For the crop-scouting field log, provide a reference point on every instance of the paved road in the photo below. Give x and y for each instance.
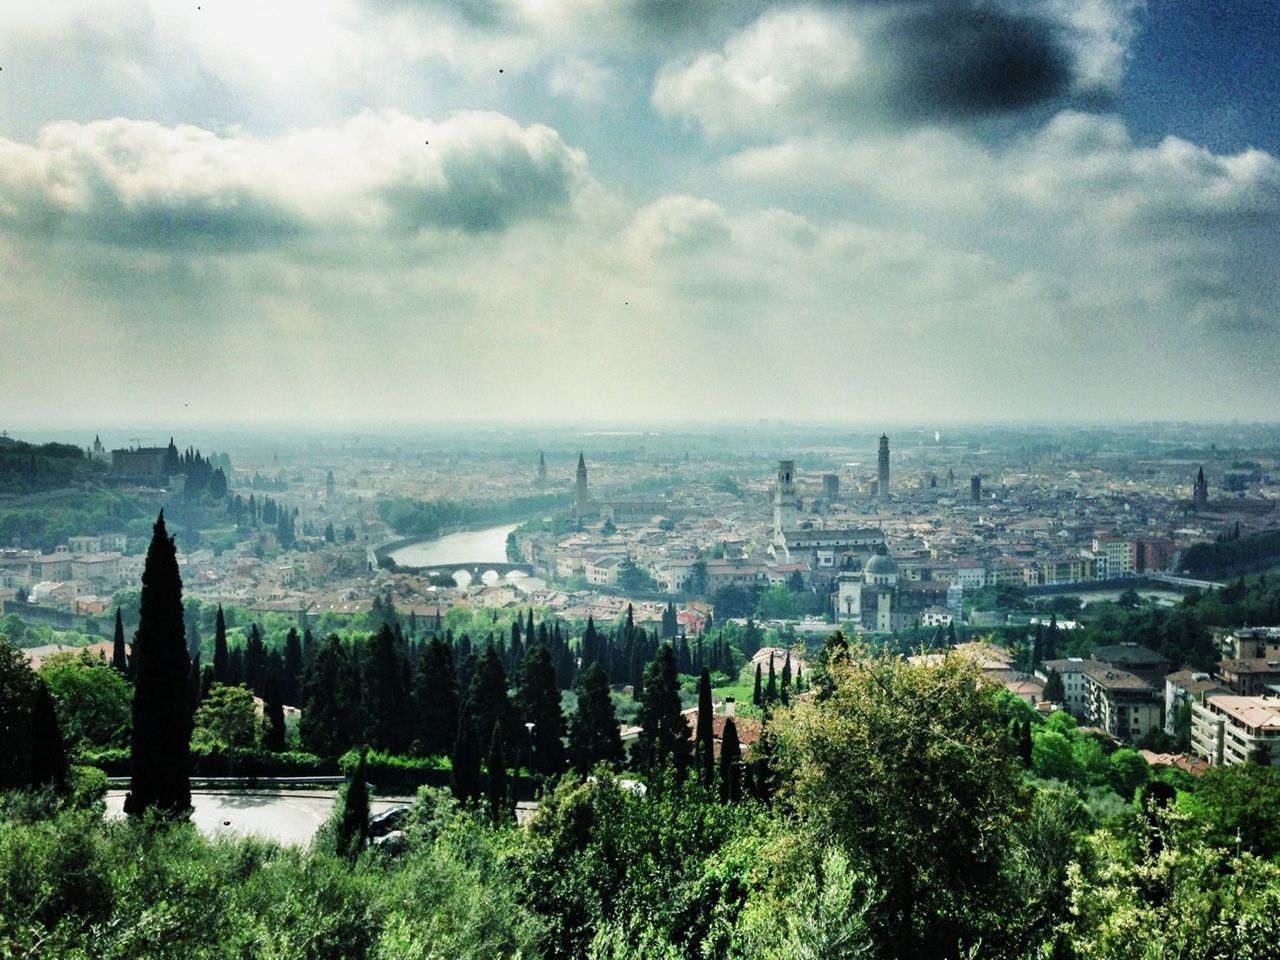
(288, 816)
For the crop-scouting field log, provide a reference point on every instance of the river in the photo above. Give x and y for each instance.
(468, 546)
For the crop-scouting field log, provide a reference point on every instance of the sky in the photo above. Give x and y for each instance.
(335, 212)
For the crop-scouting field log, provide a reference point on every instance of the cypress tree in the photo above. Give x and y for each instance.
(435, 698)
(294, 669)
(464, 778)
(48, 755)
(192, 622)
(593, 733)
(538, 702)
(330, 725)
(1054, 689)
(1024, 743)
(489, 703)
(385, 699)
(221, 658)
(273, 711)
(161, 754)
(255, 662)
(353, 820)
(664, 732)
(786, 671)
(757, 695)
(706, 731)
(771, 691)
(730, 763)
(119, 659)
(496, 763)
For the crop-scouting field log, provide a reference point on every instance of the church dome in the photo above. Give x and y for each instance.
(881, 565)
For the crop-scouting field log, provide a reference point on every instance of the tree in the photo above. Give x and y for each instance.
(273, 711)
(294, 669)
(496, 765)
(330, 722)
(932, 824)
(705, 737)
(593, 733)
(119, 657)
(771, 690)
(161, 754)
(435, 698)
(730, 763)
(664, 732)
(757, 694)
(487, 695)
(538, 702)
(353, 813)
(632, 577)
(1240, 798)
(385, 701)
(48, 755)
(226, 718)
(1054, 689)
(221, 658)
(94, 701)
(776, 603)
(464, 776)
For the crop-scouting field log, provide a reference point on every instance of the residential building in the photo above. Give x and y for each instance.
(1231, 729)
(1187, 686)
(1122, 704)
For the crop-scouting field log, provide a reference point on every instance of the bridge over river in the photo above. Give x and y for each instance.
(475, 568)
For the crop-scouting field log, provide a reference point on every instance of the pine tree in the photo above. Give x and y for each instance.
(538, 702)
(593, 732)
(221, 658)
(435, 698)
(757, 695)
(730, 763)
(496, 764)
(161, 754)
(119, 659)
(706, 744)
(353, 817)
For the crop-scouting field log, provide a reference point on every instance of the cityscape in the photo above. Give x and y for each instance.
(588, 481)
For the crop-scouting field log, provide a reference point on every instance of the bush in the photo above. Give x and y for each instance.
(388, 771)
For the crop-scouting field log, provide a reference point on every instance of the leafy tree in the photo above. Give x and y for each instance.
(664, 732)
(1052, 757)
(161, 735)
(1127, 771)
(632, 577)
(776, 603)
(226, 717)
(933, 822)
(94, 701)
(538, 702)
(1240, 798)
(435, 700)
(593, 732)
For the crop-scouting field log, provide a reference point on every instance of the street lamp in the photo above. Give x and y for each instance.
(529, 726)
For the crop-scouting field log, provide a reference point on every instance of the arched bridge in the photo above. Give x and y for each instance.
(476, 568)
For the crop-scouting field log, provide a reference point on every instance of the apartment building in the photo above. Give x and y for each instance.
(1231, 729)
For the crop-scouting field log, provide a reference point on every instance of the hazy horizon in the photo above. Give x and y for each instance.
(336, 214)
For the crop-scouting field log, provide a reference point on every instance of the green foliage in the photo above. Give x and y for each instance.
(776, 603)
(1239, 797)
(414, 518)
(226, 718)
(93, 701)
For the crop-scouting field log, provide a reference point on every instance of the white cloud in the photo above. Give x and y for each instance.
(137, 182)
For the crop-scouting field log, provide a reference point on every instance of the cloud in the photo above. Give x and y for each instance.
(871, 66)
(140, 183)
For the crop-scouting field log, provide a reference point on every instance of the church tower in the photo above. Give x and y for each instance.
(882, 484)
(581, 499)
(785, 504)
(542, 469)
(1200, 492)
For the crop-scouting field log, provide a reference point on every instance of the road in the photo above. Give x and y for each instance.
(287, 816)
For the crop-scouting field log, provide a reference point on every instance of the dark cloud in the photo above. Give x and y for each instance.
(954, 61)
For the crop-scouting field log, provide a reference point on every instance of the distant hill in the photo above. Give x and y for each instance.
(36, 468)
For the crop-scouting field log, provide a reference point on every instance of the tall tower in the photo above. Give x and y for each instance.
(882, 484)
(581, 499)
(542, 468)
(975, 488)
(784, 501)
(1200, 492)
